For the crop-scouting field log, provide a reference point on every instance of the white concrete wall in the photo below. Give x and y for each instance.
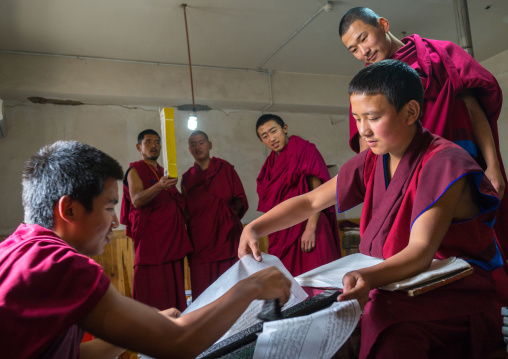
(498, 66)
(121, 99)
(114, 130)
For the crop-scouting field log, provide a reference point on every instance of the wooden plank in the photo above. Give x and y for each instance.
(186, 272)
(438, 282)
(118, 262)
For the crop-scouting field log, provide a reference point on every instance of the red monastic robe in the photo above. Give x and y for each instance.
(282, 177)
(464, 311)
(46, 288)
(213, 225)
(160, 242)
(446, 71)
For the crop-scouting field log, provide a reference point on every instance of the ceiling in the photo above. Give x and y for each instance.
(232, 33)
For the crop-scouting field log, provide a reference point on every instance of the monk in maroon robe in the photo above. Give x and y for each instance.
(51, 291)
(216, 202)
(295, 167)
(424, 198)
(152, 211)
(462, 100)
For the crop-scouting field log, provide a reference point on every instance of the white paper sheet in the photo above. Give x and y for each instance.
(319, 335)
(330, 275)
(246, 266)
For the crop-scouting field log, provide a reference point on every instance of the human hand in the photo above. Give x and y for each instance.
(171, 313)
(271, 283)
(496, 178)
(167, 182)
(308, 241)
(249, 244)
(355, 287)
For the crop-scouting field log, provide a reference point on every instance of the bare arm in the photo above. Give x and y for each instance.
(426, 235)
(141, 196)
(483, 136)
(308, 241)
(127, 323)
(285, 215)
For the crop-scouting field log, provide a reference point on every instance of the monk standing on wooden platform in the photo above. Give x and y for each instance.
(295, 167)
(152, 211)
(216, 202)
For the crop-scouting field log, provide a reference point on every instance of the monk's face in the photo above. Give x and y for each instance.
(199, 147)
(150, 147)
(368, 43)
(383, 128)
(273, 135)
(91, 231)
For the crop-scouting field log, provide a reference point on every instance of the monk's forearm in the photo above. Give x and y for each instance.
(312, 222)
(426, 236)
(481, 130)
(127, 323)
(407, 263)
(144, 197)
(206, 325)
(286, 214)
(295, 210)
(314, 182)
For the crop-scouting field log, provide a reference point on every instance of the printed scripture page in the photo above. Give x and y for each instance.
(319, 335)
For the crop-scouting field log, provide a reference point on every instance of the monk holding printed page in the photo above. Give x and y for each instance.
(51, 292)
(423, 197)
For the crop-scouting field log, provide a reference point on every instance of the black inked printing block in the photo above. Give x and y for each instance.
(271, 311)
(242, 344)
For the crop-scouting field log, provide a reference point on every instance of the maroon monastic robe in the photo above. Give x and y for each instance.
(160, 242)
(46, 288)
(284, 176)
(446, 71)
(213, 225)
(464, 311)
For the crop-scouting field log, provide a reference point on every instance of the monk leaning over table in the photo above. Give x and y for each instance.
(295, 167)
(51, 292)
(215, 203)
(462, 100)
(424, 198)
